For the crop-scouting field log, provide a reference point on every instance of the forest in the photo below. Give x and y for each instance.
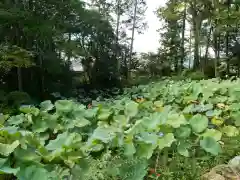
(79, 102)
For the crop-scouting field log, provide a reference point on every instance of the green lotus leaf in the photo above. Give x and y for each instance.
(176, 120)
(5, 167)
(236, 117)
(64, 106)
(7, 149)
(104, 134)
(27, 155)
(182, 148)
(16, 120)
(46, 106)
(183, 132)
(131, 109)
(81, 122)
(145, 150)
(104, 114)
(210, 145)
(29, 110)
(166, 141)
(199, 123)
(32, 173)
(62, 140)
(215, 134)
(129, 149)
(230, 131)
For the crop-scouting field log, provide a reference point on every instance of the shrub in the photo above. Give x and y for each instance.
(17, 98)
(194, 75)
(198, 75)
(12, 101)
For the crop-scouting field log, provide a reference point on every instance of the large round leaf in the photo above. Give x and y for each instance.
(131, 109)
(210, 145)
(183, 148)
(104, 134)
(129, 148)
(199, 123)
(145, 150)
(7, 149)
(215, 134)
(33, 173)
(166, 141)
(183, 132)
(46, 106)
(64, 106)
(176, 120)
(104, 114)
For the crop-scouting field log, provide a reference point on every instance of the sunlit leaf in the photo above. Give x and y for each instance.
(230, 131)
(217, 121)
(64, 139)
(7, 149)
(131, 109)
(176, 120)
(166, 141)
(46, 106)
(104, 134)
(30, 110)
(104, 114)
(64, 106)
(81, 122)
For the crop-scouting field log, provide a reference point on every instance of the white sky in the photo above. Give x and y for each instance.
(149, 41)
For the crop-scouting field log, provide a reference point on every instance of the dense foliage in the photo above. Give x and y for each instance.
(116, 138)
(200, 35)
(42, 42)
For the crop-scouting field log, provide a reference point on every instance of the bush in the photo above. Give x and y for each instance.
(16, 98)
(198, 75)
(194, 75)
(12, 101)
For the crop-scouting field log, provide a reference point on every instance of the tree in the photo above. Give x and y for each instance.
(137, 19)
(170, 33)
(55, 33)
(213, 24)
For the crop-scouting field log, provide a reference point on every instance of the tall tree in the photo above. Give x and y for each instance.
(54, 33)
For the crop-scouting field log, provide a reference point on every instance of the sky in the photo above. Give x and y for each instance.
(149, 40)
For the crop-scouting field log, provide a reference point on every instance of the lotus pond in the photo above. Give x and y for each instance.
(164, 130)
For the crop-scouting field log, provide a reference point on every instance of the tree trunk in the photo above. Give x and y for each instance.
(238, 59)
(183, 38)
(227, 43)
(216, 50)
(196, 27)
(207, 46)
(133, 32)
(190, 49)
(117, 34)
(69, 51)
(19, 73)
(125, 65)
